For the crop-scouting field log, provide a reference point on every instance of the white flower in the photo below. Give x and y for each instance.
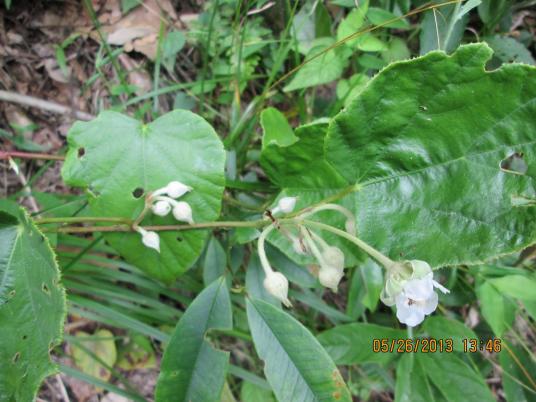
(183, 212)
(334, 257)
(161, 208)
(411, 288)
(277, 285)
(149, 239)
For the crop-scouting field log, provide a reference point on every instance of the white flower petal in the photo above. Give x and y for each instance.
(330, 277)
(428, 306)
(419, 289)
(161, 208)
(409, 315)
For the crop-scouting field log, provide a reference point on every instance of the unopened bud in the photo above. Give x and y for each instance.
(176, 189)
(287, 204)
(183, 212)
(150, 239)
(161, 208)
(330, 277)
(277, 285)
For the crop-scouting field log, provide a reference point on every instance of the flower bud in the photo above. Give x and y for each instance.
(151, 240)
(183, 212)
(330, 277)
(161, 208)
(277, 285)
(333, 257)
(176, 189)
(287, 204)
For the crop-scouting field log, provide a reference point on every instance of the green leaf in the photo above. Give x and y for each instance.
(323, 69)
(173, 43)
(276, 129)
(298, 161)
(32, 307)
(380, 16)
(352, 23)
(428, 181)
(517, 286)
(215, 261)
(142, 158)
(509, 50)
(295, 364)
(353, 343)
(88, 348)
(454, 378)
(442, 328)
(191, 369)
(412, 383)
(252, 393)
(517, 373)
(496, 309)
(439, 32)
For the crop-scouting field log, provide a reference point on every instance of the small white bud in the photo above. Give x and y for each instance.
(161, 208)
(330, 277)
(277, 285)
(176, 189)
(333, 257)
(151, 240)
(183, 212)
(287, 204)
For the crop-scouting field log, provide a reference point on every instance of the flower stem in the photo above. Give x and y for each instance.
(262, 252)
(382, 259)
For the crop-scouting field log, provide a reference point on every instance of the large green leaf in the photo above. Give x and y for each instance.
(443, 328)
(296, 365)
(518, 369)
(32, 307)
(456, 380)
(116, 158)
(191, 369)
(498, 311)
(425, 144)
(353, 343)
(412, 383)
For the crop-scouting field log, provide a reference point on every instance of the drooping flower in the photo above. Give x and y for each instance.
(161, 208)
(410, 286)
(149, 239)
(277, 285)
(331, 267)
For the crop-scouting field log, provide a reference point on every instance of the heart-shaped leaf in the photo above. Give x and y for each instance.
(119, 160)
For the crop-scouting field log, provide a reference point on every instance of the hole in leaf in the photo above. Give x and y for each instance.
(138, 192)
(16, 357)
(514, 164)
(45, 288)
(24, 337)
(81, 152)
(179, 238)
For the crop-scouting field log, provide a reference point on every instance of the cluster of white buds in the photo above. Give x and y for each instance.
(162, 202)
(410, 286)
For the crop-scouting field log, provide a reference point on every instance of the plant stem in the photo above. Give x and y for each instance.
(262, 252)
(82, 219)
(30, 155)
(156, 228)
(382, 259)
